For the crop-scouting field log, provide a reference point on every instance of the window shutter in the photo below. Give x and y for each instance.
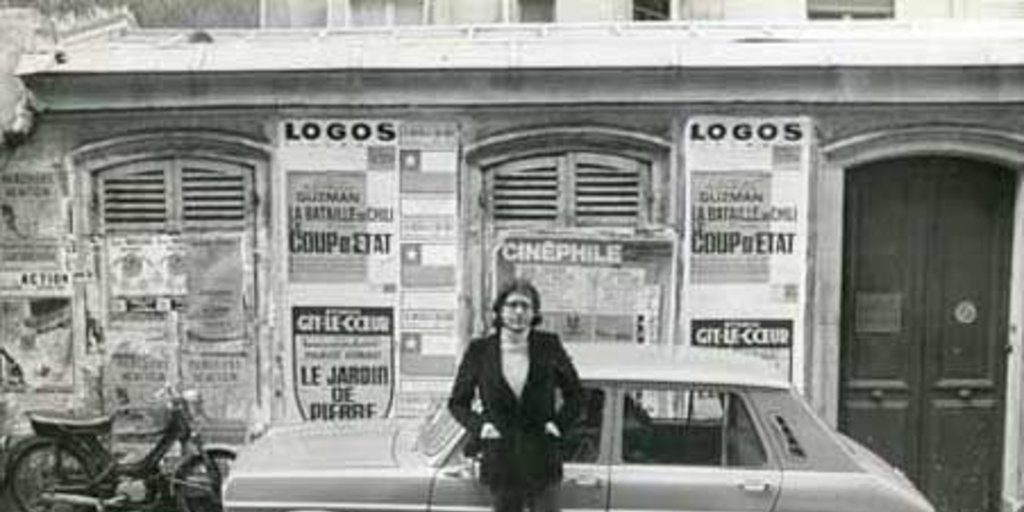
(526, 190)
(855, 9)
(213, 195)
(608, 189)
(136, 198)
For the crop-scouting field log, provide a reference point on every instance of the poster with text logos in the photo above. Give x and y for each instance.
(341, 200)
(372, 224)
(747, 236)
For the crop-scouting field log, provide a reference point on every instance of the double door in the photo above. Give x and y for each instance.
(924, 330)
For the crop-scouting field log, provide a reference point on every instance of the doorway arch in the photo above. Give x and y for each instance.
(985, 146)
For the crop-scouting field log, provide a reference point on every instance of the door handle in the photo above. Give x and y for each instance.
(585, 481)
(753, 486)
(466, 470)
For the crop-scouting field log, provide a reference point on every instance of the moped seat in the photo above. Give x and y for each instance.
(43, 422)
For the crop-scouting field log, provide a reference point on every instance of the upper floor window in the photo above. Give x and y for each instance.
(850, 9)
(334, 13)
(536, 11)
(652, 10)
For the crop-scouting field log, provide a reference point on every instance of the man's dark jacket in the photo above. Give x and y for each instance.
(526, 456)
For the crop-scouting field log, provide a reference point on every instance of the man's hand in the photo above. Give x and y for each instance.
(489, 431)
(552, 429)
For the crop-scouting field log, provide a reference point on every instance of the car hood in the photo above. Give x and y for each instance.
(329, 447)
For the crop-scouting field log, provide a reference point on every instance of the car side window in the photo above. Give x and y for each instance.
(583, 443)
(689, 426)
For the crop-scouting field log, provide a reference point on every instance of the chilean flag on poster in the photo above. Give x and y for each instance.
(429, 265)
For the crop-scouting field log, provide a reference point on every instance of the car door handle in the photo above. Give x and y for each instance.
(753, 486)
(585, 481)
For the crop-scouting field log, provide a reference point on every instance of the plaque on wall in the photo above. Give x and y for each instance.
(878, 313)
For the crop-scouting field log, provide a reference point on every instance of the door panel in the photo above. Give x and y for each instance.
(926, 274)
(691, 489)
(683, 448)
(584, 489)
(880, 398)
(585, 482)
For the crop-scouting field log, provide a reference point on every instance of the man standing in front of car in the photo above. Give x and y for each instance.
(518, 373)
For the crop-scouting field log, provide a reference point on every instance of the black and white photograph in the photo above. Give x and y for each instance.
(511, 255)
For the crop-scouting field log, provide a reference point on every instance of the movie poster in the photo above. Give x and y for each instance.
(215, 274)
(141, 352)
(34, 269)
(31, 206)
(748, 183)
(340, 229)
(428, 165)
(35, 345)
(594, 290)
(343, 362)
(341, 201)
(147, 266)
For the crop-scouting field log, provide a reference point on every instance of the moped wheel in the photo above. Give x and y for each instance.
(39, 466)
(197, 488)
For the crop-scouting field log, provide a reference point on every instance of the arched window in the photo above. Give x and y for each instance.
(584, 213)
(172, 226)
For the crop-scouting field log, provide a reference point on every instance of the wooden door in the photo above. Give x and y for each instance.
(925, 284)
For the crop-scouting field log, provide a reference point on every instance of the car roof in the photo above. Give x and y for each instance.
(630, 363)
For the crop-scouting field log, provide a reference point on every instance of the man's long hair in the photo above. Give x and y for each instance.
(524, 287)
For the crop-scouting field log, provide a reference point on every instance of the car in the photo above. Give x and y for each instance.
(695, 432)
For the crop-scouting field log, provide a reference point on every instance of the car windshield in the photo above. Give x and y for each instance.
(437, 430)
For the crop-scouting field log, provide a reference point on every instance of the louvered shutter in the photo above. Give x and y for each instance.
(576, 188)
(855, 9)
(169, 195)
(608, 189)
(136, 197)
(213, 195)
(526, 190)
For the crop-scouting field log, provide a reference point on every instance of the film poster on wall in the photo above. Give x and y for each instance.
(373, 226)
(177, 314)
(218, 354)
(341, 203)
(428, 283)
(36, 352)
(748, 182)
(343, 362)
(594, 290)
(35, 344)
(31, 206)
(341, 199)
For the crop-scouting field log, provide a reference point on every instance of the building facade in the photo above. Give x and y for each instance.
(308, 224)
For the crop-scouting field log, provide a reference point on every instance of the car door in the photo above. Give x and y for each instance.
(689, 448)
(586, 450)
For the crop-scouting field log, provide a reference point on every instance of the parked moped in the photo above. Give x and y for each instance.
(67, 466)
